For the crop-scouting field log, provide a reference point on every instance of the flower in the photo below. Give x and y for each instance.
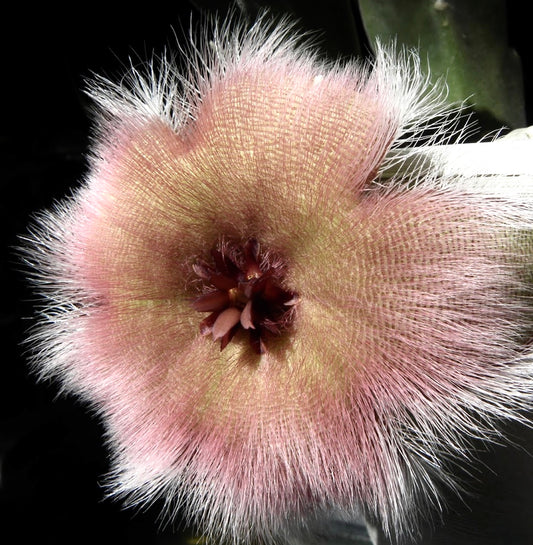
(270, 328)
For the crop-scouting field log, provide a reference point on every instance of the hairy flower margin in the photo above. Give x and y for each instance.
(247, 185)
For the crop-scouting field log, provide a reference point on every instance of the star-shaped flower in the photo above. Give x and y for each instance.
(269, 328)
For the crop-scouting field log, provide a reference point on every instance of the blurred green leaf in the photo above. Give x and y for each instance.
(466, 42)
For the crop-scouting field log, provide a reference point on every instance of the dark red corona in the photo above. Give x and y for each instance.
(244, 289)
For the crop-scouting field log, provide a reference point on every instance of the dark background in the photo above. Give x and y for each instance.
(51, 454)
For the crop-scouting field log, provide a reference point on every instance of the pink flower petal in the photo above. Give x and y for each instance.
(246, 316)
(225, 321)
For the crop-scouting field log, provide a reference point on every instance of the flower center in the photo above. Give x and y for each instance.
(243, 289)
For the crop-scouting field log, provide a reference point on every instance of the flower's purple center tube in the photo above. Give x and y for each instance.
(243, 288)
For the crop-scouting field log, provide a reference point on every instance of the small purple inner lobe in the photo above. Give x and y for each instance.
(243, 289)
